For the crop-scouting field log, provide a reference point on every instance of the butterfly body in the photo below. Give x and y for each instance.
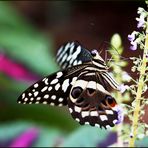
(82, 84)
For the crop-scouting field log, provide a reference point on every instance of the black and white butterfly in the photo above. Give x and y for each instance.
(83, 85)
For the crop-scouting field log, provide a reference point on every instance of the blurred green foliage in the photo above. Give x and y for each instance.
(23, 42)
(85, 136)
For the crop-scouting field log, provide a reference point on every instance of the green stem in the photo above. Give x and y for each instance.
(119, 127)
(139, 94)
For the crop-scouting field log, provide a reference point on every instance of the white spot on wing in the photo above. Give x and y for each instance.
(59, 50)
(60, 104)
(36, 85)
(59, 74)
(44, 79)
(52, 104)
(77, 109)
(63, 59)
(46, 82)
(38, 98)
(31, 99)
(109, 112)
(77, 52)
(36, 93)
(73, 80)
(64, 51)
(69, 57)
(91, 84)
(65, 85)
(75, 62)
(81, 83)
(57, 86)
(54, 81)
(108, 127)
(84, 113)
(103, 117)
(102, 89)
(60, 99)
(79, 62)
(44, 89)
(115, 121)
(26, 99)
(86, 123)
(53, 97)
(50, 88)
(23, 95)
(71, 50)
(70, 110)
(30, 94)
(97, 125)
(46, 96)
(64, 66)
(94, 113)
(45, 102)
(77, 119)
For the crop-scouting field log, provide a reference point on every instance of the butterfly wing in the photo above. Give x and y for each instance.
(53, 89)
(90, 103)
(71, 54)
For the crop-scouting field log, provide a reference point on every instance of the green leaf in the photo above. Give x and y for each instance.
(10, 89)
(86, 136)
(117, 43)
(24, 43)
(41, 114)
(14, 20)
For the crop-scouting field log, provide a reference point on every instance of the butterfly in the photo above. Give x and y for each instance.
(83, 84)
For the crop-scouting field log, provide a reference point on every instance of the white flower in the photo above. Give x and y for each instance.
(123, 88)
(126, 77)
(140, 10)
(133, 40)
(119, 111)
(132, 36)
(141, 21)
(134, 45)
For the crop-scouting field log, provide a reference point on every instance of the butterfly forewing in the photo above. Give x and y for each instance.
(53, 89)
(71, 54)
(90, 103)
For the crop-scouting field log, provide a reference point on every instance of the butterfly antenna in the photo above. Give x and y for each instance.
(100, 47)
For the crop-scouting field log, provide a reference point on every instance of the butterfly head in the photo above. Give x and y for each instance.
(96, 55)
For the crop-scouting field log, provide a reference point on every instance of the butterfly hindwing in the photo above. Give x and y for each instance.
(71, 54)
(90, 103)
